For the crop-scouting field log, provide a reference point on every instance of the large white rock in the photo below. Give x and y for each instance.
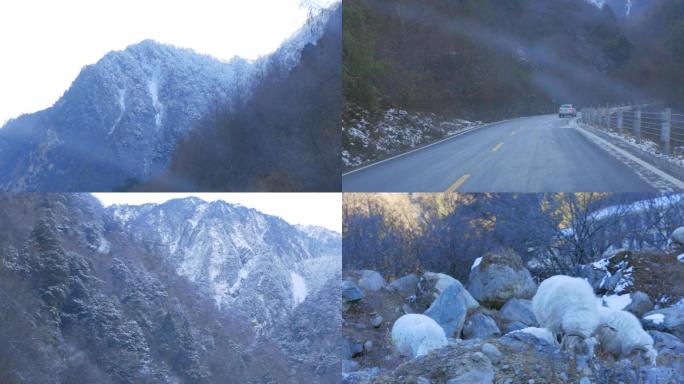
(677, 236)
(416, 335)
(371, 280)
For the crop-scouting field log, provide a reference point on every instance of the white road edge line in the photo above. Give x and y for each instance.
(430, 145)
(669, 178)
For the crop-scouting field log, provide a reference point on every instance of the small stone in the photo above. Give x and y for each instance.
(491, 352)
(530, 381)
(368, 346)
(376, 320)
(585, 380)
(514, 326)
(350, 292)
(371, 281)
(356, 349)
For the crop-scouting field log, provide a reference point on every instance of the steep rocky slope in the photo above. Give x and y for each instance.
(245, 260)
(88, 298)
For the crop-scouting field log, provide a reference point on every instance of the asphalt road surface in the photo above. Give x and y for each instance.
(530, 154)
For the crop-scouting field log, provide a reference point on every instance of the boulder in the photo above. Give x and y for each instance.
(499, 277)
(518, 310)
(362, 376)
(483, 373)
(514, 326)
(540, 338)
(350, 292)
(492, 352)
(405, 286)
(594, 276)
(542, 334)
(480, 326)
(664, 341)
(371, 281)
(429, 287)
(670, 320)
(677, 237)
(450, 308)
(640, 304)
(416, 335)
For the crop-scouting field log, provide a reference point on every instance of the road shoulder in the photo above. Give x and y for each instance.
(659, 173)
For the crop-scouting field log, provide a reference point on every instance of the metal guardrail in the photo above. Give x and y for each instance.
(641, 122)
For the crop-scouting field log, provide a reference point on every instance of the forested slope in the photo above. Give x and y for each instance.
(487, 60)
(281, 138)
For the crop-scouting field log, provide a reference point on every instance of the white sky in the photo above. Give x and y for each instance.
(45, 43)
(322, 209)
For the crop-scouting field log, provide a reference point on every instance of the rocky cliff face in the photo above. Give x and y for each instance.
(93, 295)
(241, 258)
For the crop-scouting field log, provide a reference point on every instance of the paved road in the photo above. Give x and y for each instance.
(531, 154)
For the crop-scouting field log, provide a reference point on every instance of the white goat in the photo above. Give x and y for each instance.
(416, 335)
(623, 337)
(567, 307)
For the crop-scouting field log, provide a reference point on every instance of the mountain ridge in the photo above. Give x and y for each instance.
(109, 303)
(122, 117)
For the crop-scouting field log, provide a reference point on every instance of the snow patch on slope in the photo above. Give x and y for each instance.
(298, 288)
(615, 302)
(122, 105)
(242, 274)
(153, 88)
(656, 318)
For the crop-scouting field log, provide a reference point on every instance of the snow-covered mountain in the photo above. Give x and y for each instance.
(122, 117)
(245, 260)
(181, 292)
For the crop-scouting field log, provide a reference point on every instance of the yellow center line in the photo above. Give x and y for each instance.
(497, 147)
(457, 184)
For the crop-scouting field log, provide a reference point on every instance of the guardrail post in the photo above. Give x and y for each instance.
(637, 124)
(605, 118)
(619, 121)
(597, 118)
(665, 126)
